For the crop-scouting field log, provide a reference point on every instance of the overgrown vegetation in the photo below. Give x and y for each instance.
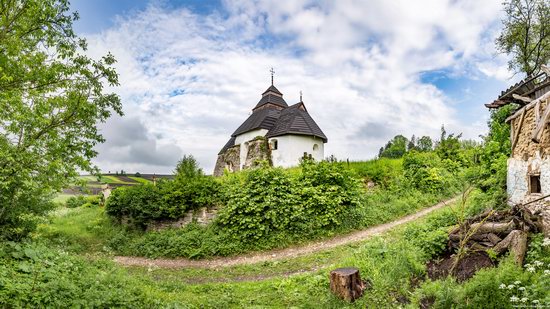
(146, 203)
(51, 99)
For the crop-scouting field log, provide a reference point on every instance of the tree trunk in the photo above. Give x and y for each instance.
(516, 242)
(346, 283)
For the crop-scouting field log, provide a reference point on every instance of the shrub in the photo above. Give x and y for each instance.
(426, 171)
(81, 200)
(270, 200)
(167, 200)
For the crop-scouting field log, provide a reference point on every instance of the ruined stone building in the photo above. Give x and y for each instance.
(275, 132)
(528, 176)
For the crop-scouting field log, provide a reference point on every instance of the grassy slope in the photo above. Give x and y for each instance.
(389, 262)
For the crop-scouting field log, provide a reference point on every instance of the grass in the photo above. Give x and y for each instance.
(139, 179)
(62, 198)
(79, 230)
(112, 180)
(393, 263)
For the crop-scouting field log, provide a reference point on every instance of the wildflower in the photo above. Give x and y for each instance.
(531, 269)
(518, 282)
(502, 286)
(546, 242)
(511, 286)
(522, 288)
(538, 263)
(524, 299)
(546, 272)
(514, 299)
(536, 301)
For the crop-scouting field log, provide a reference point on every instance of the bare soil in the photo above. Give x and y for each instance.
(465, 269)
(279, 254)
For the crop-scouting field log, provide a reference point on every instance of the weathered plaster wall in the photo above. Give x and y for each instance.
(520, 170)
(230, 159)
(528, 157)
(525, 147)
(291, 149)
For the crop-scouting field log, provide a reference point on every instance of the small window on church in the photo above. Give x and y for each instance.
(534, 184)
(315, 147)
(274, 144)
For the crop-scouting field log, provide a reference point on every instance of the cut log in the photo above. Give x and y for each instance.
(518, 247)
(516, 242)
(493, 227)
(346, 283)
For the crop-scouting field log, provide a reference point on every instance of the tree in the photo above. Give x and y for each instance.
(51, 99)
(526, 34)
(188, 168)
(412, 145)
(395, 148)
(449, 146)
(425, 143)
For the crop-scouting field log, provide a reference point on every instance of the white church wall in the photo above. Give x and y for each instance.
(245, 137)
(291, 148)
(519, 172)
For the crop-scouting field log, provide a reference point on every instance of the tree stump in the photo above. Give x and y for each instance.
(346, 283)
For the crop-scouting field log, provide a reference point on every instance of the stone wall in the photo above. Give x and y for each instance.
(230, 159)
(258, 150)
(203, 216)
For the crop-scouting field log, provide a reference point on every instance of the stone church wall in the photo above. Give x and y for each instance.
(230, 159)
(258, 150)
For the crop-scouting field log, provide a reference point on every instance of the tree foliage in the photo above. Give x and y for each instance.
(395, 148)
(526, 34)
(51, 98)
(188, 168)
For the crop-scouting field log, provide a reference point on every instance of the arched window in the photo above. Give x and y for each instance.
(315, 147)
(274, 144)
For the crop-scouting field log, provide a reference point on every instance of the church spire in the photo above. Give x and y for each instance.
(272, 73)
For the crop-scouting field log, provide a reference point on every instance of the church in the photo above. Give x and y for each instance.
(275, 132)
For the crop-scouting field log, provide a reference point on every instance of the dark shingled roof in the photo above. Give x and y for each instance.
(280, 119)
(272, 89)
(260, 119)
(296, 120)
(228, 145)
(273, 99)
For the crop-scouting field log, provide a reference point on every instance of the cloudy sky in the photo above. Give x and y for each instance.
(191, 71)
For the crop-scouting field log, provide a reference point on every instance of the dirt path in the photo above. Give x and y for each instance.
(280, 254)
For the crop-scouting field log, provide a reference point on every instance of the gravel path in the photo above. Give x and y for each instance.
(279, 254)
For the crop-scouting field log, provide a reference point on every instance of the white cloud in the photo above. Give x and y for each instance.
(191, 79)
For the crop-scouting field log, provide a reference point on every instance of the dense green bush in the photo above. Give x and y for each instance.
(426, 171)
(383, 171)
(269, 200)
(81, 200)
(145, 203)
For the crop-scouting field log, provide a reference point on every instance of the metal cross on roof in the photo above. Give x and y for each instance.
(272, 72)
(300, 95)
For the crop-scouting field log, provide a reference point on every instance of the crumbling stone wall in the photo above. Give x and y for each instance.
(203, 216)
(258, 150)
(230, 159)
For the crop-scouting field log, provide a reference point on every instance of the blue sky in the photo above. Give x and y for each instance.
(191, 71)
